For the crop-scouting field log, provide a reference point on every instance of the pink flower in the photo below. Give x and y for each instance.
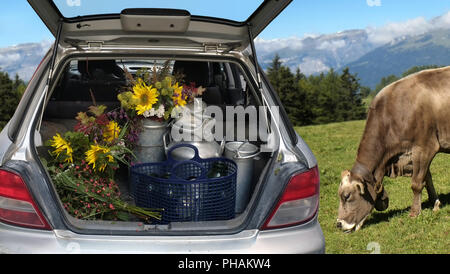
(111, 206)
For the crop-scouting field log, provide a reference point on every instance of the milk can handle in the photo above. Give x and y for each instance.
(194, 148)
(237, 155)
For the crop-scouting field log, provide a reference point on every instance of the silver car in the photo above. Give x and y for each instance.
(91, 53)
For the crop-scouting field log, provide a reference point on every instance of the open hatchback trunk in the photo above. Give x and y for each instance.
(81, 23)
(112, 72)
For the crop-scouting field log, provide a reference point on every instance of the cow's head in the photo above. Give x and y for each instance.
(358, 197)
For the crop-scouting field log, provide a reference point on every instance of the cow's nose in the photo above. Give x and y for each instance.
(339, 224)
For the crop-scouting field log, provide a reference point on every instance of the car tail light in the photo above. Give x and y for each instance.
(299, 202)
(17, 207)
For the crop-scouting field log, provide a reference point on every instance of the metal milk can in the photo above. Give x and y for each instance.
(243, 153)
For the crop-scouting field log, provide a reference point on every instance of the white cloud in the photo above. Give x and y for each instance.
(311, 35)
(27, 72)
(442, 21)
(373, 3)
(9, 58)
(45, 45)
(23, 58)
(417, 26)
(292, 42)
(332, 45)
(73, 3)
(312, 65)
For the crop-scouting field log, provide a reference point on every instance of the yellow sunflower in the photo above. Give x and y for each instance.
(111, 132)
(99, 155)
(178, 96)
(62, 145)
(145, 96)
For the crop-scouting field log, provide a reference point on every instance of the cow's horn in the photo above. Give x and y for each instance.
(361, 187)
(379, 188)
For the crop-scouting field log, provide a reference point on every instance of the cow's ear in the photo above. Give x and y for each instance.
(345, 173)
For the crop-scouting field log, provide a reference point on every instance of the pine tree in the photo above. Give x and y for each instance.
(353, 107)
(8, 98)
(291, 95)
(317, 99)
(385, 81)
(19, 85)
(298, 75)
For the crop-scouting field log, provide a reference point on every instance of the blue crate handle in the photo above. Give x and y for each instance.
(187, 162)
(196, 157)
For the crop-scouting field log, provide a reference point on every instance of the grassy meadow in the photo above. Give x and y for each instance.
(391, 231)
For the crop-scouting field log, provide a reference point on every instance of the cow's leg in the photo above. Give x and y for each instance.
(432, 196)
(417, 185)
(421, 162)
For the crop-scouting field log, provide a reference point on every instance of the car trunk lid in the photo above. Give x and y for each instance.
(113, 24)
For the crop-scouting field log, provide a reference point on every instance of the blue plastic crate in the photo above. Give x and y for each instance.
(183, 190)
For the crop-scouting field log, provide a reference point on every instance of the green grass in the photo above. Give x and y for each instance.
(335, 146)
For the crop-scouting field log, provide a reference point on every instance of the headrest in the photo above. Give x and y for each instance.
(103, 66)
(194, 71)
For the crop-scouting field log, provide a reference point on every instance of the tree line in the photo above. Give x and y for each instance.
(327, 97)
(11, 90)
(317, 99)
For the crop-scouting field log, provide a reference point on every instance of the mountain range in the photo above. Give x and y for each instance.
(23, 59)
(315, 54)
(432, 48)
(372, 53)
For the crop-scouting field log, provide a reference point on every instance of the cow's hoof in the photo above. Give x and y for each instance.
(437, 204)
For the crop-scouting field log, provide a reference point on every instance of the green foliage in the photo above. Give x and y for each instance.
(19, 86)
(324, 98)
(418, 68)
(79, 143)
(83, 163)
(88, 196)
(385, 81)
(10, 93)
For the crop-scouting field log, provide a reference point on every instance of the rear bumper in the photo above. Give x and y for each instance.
(307, 238)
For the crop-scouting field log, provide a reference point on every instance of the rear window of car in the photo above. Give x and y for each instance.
(88, 81)
(223, 9)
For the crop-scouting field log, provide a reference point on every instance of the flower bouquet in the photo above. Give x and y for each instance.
(153, 98)
(82, 166)
(84, 162)
(155, 95)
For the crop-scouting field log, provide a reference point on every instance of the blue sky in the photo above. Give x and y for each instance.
(19, 23)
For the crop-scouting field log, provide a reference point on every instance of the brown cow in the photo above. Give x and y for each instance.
(407, 125)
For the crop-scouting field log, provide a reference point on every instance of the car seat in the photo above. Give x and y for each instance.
(199, 72)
